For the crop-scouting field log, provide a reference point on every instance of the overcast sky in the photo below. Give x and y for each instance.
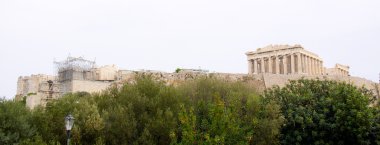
(166, 34)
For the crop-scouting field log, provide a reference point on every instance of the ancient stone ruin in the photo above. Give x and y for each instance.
(286, 59)
(268, 66)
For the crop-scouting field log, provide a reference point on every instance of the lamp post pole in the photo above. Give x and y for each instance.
(68, 137)
(69, 122)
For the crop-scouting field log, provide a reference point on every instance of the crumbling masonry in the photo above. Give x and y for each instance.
(268, 66)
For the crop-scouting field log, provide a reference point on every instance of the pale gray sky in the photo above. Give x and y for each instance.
(166, 34)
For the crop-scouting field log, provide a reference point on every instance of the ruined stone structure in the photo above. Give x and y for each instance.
(37, 89)
(78, 74)
(342, 70)
(286, 59)
(75, 74)
(268, 66)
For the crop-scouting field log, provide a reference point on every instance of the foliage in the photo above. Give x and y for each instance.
(203, 111)
(375, 129)
(177, 70)
(200, 111)
(324, 112)
(14, 122)
(221, 112)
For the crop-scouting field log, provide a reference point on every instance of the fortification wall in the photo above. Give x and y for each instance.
(174, 79)
(66, 87)
(30, 84)
(89, 86)
(281, 80)
(260, 81)
(42, 93)
(33, 101)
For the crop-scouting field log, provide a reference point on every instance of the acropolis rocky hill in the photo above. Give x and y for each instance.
(268, 66)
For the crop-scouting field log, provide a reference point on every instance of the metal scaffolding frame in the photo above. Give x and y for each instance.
(74, 63)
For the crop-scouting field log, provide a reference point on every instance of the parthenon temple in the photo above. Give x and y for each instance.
(284, 59)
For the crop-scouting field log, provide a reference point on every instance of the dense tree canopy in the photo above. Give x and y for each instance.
(15, 122)
(200, 111)
(324, 112)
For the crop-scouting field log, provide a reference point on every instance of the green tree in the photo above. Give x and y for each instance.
(375, 130)
(200, 111)
(221, 112)
(15, 125)
(324, 112)
(120, 127)
(177, 70)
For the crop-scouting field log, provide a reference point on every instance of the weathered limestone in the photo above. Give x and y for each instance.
(277, 70)
(250, 65)
(339, 70)
(37, 89)
(292, 60)
(77, 75)
(285, 64)
(292, 63)
(299, 63)
(272, 65)
(262, 65)
(271, 80)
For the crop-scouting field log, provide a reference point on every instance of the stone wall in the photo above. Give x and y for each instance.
(106, 73)
(36, 89)
(30, 84)
(66, 87)
(40, 87)
(35, 100)
(281, 80)
(175, 79)
(339, 69)
(89, 86)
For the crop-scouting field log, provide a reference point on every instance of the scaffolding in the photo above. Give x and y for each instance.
(73, 68)
(74, 63)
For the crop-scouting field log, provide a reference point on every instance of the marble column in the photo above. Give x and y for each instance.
(292, 64)
(308, 64)
(285, 62)
(322, 68)
(250, 65)
(277, 65)
(255, 66)
(319, 67)
(262, 65)
(299, 65)
(303, 70)
(312, 66)
(270, 64)
(316, 67)
(306, 68)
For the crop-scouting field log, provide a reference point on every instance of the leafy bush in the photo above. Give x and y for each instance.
(15, 122)
(324, 112)
(200, 111)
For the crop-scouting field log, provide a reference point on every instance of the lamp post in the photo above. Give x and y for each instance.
(69, 122)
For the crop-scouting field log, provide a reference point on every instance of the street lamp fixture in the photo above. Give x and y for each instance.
(69, 123)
